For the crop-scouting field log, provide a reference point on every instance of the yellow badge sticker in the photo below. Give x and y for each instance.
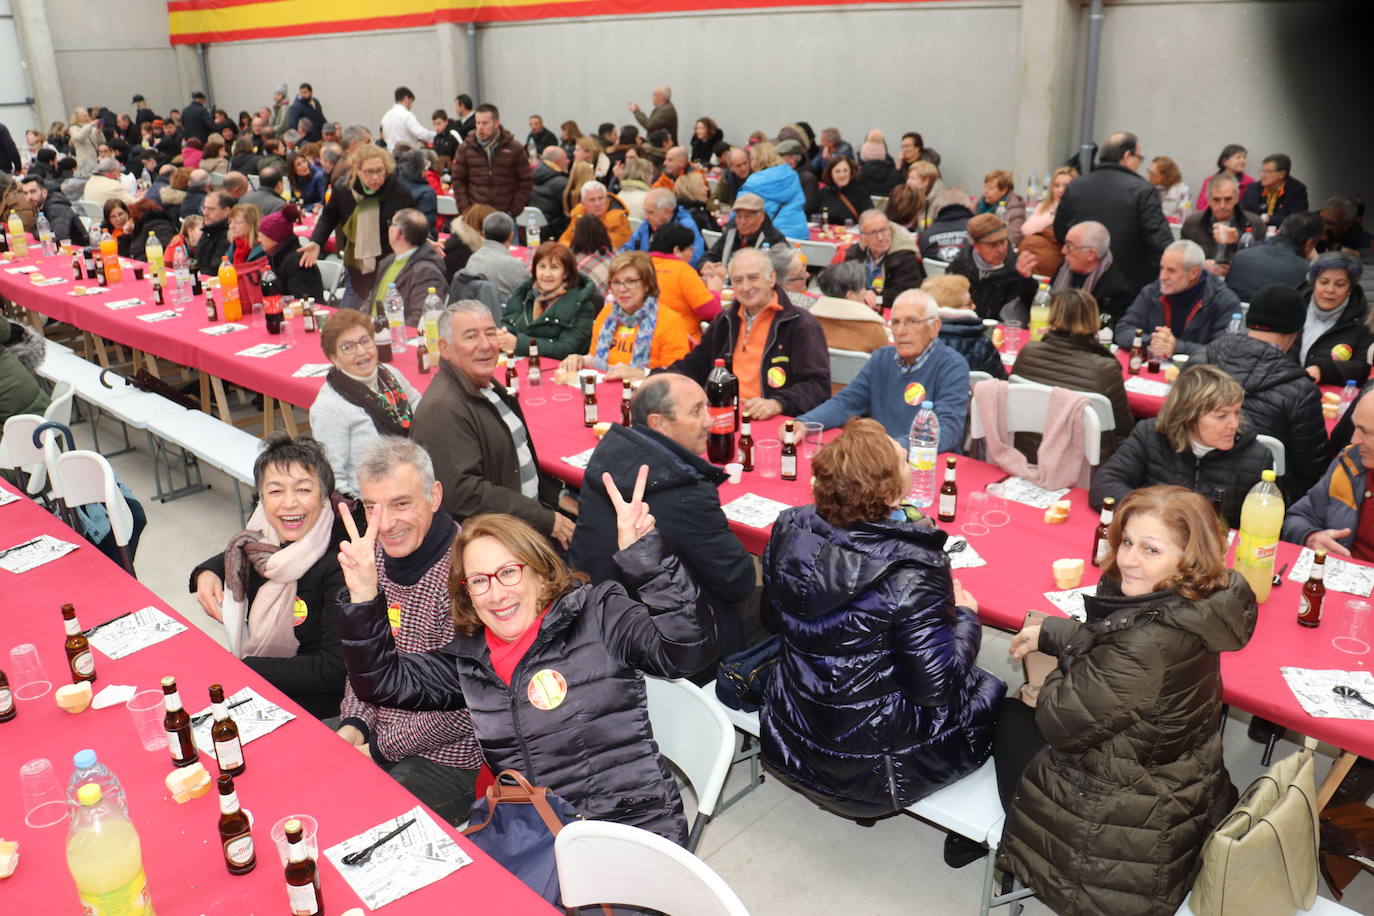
(547, 689)
(393, 617)
(915, 393)
(299, 612)
(1341, 352)
(777, 377)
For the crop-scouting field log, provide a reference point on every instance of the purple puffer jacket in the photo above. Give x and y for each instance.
(876, 701)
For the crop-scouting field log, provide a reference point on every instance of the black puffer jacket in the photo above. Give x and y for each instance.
(1282, 401)
(876, 701)
(1351, 329)
(963, 332)
(1111, 816)
(595, 748)
(1003, 294)
(1147, 458)
(160, 224)
(947, 236)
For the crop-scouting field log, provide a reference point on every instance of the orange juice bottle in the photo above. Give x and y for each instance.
(229, 290)
(109, 254)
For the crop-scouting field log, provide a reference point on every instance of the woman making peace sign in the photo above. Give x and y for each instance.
(550, 668)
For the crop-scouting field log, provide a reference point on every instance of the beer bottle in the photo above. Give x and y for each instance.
(225, 735)
(100, 276)
(589, 412)
(422, 359)
(1313, 593)
(626, 393)
(76, 265)
(177, 725)
(1138, 351)
(308, 320)
(746, 444)
(8, 708)
(533, 376)
(197, 285)
(79, 657)
(302, 876)
(158, 297)
(211, 310)
(235, 833)
(1102, 546)
(789, 452)
(381, 336)
(949, 493)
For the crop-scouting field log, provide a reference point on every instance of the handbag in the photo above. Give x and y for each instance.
(1262, 859)
(515, 823)
(742, 677)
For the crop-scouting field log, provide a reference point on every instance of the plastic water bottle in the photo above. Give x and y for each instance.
(45, 236)
(395, 317)
(531, 233)
(1348, 394)
(1261, 519)
(922, 449)
(1237, 325)
(181, 266)
(89, 769)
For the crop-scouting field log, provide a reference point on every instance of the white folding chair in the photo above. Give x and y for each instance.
(634, 223)
(845, 364)
(59, 411)
(18, 452)
(710, 237)
(818, 254)
(695, 736)
(253, 180)
(86, 222)
(86, 477)
(603, 862)
(1277, 450)
(216, 179)
(933, 267)
(446, 205)
(1106, 418)
(1027, 406)
(89, 209)
(331, 273)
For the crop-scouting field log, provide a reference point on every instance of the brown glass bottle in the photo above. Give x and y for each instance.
(422, 358)
(533, 375)
(788, 460)
(211, 309)
(225, 735)
(1313, 593)
(746, 444)
(309, 323)
(177, 724)
(589, 411)
(1137, 351)
(1101, 546)
(235, 832)
(949, 493)
(381, 337)
(8, 708)
(626, 393)
(302, 875)
(79, 657)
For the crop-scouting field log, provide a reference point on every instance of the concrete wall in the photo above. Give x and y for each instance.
(107, 53)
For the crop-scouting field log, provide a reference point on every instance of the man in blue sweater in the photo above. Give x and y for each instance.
(661, 207)
(896, 379)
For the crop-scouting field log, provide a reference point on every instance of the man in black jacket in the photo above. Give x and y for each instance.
(1283, 259)
(307, 107)
(668, 433)
(195, 118)
(888, 254)
(214, 232)
(1184, 310)
(1220, 229)
(1277, 195)
(750, 228)
(1088, 265)
(1281, 400)
(55, 206)
(1128, 205)
(999, 278)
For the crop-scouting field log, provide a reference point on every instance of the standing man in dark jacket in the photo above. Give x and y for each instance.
(777, 351)
(1000, 280)
(888, 255)
(195, 118)
(1184, 310)
(1282, 259)
(1277, 195)
(308, 107)
(1281, 400)
(491, 167)
(668, 433)
(947, 235)
(664, 115)
(55, 206)
(1128, 205)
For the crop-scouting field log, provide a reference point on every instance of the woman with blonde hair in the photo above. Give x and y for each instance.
(212, 157)
(777, 183)
(243, 234)
(692, 192)
(1199, 440)
(924, 176)
(1037, 232)
(578, 175)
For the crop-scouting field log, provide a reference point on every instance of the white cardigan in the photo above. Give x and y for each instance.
(344, 428)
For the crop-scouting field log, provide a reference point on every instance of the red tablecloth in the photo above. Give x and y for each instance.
(837, 235)
(301, 768)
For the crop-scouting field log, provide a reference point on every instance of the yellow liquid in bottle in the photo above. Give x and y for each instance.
(106, 863)
(1261, 520)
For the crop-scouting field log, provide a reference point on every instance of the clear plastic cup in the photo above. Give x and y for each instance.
(309, 829)
(811, 439)
(768, 457)
(27, 678)
(147, 711)
(734, 471)
(975, 507)
(996, 515)
(1354, 640)
(1013, 335)
(45, 804)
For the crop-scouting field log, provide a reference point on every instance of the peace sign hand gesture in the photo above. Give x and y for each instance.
(357, 556)
(632, 519)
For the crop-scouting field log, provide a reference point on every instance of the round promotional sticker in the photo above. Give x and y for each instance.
(777, 377)
(1341, 352)
(393, 617)
(547, 689)
(915, 393)
(298, 613)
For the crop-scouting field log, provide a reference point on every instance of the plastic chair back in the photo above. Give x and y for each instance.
(446, 205)
(845, 364)
(695, 736)
(933, 267)
(1102, 405)
(89, 209)
(86, 477)
(818, 254)
(602, 862)
(18, 451)
(540, 219)
(331, 273)
(1027, 407)
(1277, 450)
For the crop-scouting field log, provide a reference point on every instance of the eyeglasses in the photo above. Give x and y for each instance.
(373, 173)
(910, 322)
(736, 280)
(627, 284)
(877, 233)
(508, 575)
(348, 346)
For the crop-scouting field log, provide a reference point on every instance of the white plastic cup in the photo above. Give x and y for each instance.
(45, 804)
(1355, 639)
(309, 829)
(147, 710)
(735, 470)
(28, 679)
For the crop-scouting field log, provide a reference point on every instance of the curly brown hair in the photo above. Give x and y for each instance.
(1193, 526)
(529, 547)
(857, 477)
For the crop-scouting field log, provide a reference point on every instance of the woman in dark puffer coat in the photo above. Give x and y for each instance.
(876, 701)
(1198, 441)
(564, 705)
(1111, 815)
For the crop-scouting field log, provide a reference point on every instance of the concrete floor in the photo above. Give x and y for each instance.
(781, 854)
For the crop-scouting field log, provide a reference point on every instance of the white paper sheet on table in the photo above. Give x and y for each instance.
(6, 497)
(160, 316)
(28, 555)
(1341, 576)
(581, 459)
(255, 718)
(264, 350)
(24, 269)
(51, 281)
(229, 327)
(1312, 687)
(1148, 387)
(312, 370)
(88, 291)
(120, 304)
(1070, 601)
(754, 510)
(418, 856)
(1020, 490)
(144, 627)
(965, 557)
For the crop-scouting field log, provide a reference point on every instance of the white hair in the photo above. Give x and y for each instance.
(929, 307)
(467, 307)
(380, 458)
(1096, 236)
(659, 199)
(593, 185)
(1193, 255)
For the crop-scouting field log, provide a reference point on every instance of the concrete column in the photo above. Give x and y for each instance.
(453, 61)
(35, 47)
(188, 72)
(1048, 87)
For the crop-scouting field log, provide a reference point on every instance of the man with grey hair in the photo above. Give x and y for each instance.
(493, 260)
(736, 163)
(267, 195)
(1220, 227)
(433, 754)
(413, 266)
(790, 266)
(476, 434)
(597, 201)
(888, 255)
(664, 115)
(104, 184)
(1184, 310)
(661, 207)
(236, 185)
(897, 379)
(332, 157)
(197, 186)
(1088, 265)
(1342, 229)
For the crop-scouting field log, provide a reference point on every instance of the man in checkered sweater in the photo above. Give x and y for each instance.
(433, 754)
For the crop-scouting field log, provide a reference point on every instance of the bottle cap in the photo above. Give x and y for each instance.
(89, 794)
(927, 405)
(84, 759)
(1269, 476)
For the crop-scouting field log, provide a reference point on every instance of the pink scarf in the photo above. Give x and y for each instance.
(1061, 459)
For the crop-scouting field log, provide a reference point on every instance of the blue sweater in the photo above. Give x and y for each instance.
(880, 387)
(640, 240)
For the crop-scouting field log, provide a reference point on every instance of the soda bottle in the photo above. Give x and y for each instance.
(1349, 393)
(19, 243)
(722, 391)
(531, 232)
(229, 290)
(109, 254)
(105, 857)
(1247, 238)
(1040, 312)
(271, 301)
(434, 307)
(381, 336)
(923, 445)
(1313, 593)
(395, 306)
(88, 259)
(89, 769)
(1261, 519)
(157, 264)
